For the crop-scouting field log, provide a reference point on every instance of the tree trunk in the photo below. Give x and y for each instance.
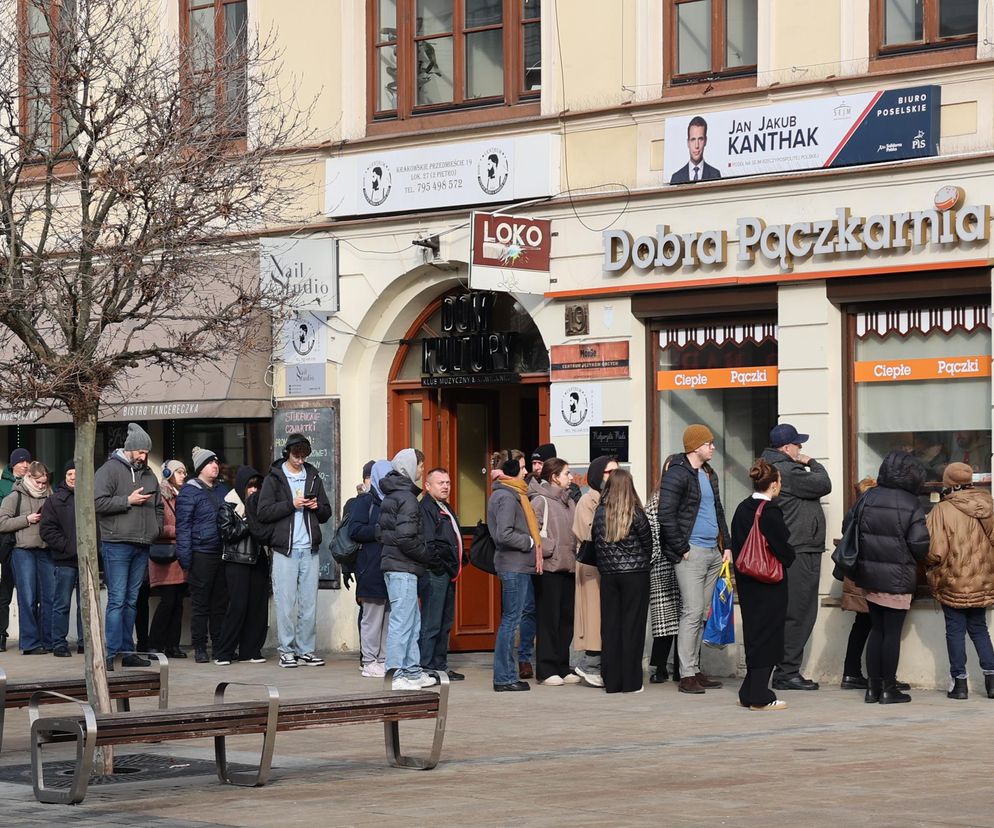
(89, 577)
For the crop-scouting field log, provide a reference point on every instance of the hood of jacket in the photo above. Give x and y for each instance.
(381, 468)
(242, 478)
(397, 482)
(974, 503)
(901, 470)
(406, 462)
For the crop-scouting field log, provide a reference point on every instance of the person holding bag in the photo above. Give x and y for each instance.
(165, 575)
(762, 552)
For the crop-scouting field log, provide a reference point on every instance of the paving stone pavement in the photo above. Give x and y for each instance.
(560, 756)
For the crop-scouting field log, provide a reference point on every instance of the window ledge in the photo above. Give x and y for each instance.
(455, 119)
(917, 603)
(698, 89)
(924, 58)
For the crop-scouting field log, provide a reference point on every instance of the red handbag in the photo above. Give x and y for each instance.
(755, 558)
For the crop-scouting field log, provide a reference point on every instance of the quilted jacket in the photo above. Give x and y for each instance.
(399, 527)
(961, 549)
(633, 553)
(679, 500)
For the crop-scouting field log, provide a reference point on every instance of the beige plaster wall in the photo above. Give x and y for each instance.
(805, 41)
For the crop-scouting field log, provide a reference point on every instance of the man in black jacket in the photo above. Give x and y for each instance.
(437, 587)
(696, 538)
(58, 530)
(293, 504)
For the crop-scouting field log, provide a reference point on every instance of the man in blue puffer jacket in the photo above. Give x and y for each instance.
(198, 549)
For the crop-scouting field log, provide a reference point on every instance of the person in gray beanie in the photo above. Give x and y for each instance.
(129, 513)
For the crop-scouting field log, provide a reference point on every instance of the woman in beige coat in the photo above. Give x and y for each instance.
(587, 612)
(960, 567)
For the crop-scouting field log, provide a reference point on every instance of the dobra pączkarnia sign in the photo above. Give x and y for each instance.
(783, 244)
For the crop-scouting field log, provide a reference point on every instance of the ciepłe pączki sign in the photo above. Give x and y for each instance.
(929, 368)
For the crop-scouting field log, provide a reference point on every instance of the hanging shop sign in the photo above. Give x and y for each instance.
(471, 352)
(591, 360)
(303, 338)
(510, 253)
(574, 408)
(943, 225)
(609, 441)
(862, 128)
(444, 175)
(751, 376)
(305, 380)
(909, 370)
(305, 269)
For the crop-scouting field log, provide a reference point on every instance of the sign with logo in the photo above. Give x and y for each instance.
(862, 128)
(444, 175)
(751, 376)
(307, 269)
(590, 360)
(305, 379)
(510, 253)
(931, 368)
(574, 408)
(303, 339)
(609, 441)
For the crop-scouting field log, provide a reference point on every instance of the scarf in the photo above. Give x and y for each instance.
(33, 489)
(519, 485)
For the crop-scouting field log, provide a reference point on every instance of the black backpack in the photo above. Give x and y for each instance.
(483, 549)
(9, 540)
(343, 549)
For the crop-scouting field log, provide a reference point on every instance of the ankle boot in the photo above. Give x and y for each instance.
(959, 689)
(873, 687)
(891, 695)
(3, 643)
(989, 685)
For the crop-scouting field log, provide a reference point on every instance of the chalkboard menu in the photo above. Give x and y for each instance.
(318, 421)
(610, 441)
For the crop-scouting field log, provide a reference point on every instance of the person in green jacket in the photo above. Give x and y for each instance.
(20, 459)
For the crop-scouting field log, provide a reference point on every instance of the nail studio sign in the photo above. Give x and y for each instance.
(944, 224)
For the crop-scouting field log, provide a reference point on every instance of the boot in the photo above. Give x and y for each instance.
(891, 695)
(659, 676)
(989, 684)
(872, 691)
(856, 682)
(959, 689)
(3, 643)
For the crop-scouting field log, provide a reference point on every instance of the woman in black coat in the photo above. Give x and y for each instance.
(763, 606)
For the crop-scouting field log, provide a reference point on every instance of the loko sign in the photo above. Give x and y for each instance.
(908, 370)
(510, 253)
(751, 376)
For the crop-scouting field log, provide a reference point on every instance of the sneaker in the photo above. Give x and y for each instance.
(222, 662)
(592, 677)
(288, 660)
(426, 681)
(135, 660)
(552, 681)
(374, 670)
(777, 704)
(256, 660)
(405, 684)
(310, 660)
(61, 652)
(571, 678)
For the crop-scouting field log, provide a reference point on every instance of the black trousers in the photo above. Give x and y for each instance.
(6, 594)
(802, 611)
(141, 617)
(624, 610)
(883, 649)
(555, 595)
(660, 653)
(244, 629)
(755, 690)
(208, 598)
(167, 622)
(858, 635)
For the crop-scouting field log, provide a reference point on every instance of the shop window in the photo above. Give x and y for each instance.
(922, 380)
(214, 36)
(903, 26)
(711, 39)
(723, 376)
(430, 56)
(236, 443)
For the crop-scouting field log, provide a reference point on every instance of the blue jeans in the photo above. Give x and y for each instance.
(528, 626)
(66, 582)
(437, 594)
(514, 587)
(404, 626)
(959, 622)
(295, 596)
(124, 570)
(34, 572)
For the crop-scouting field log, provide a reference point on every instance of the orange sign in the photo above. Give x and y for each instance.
(933, 368)
(591, 360)
(750, 376)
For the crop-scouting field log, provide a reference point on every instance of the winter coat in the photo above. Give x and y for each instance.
(583, 517)
(364, 513)
(442, 542)
(120, 522)
(58, 525)
(166, 574)
(679, 500)
(799, 499)
(235, 520)
(399, 527)
(28, 534)
(7, 481)
(555, 509)
(197, 507)
(509, 529)
(633, 553)
(276, 509)
(892, 533)
(961, 549)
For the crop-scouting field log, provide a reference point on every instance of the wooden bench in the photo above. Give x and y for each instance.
(124, 684)
(222, 719)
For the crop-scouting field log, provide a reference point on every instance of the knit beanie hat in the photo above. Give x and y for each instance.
(201, 457)
(170, 467)
(70, 466)
(137, 439)
(20, 455)
(406, 462)
(957, 474)
(511, 468)
(595, 472)
(544, 452)
(695, 436)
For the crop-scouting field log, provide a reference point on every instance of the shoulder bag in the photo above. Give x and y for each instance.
(755, 559)
(482, 549)
(846, 554)
(9, 539)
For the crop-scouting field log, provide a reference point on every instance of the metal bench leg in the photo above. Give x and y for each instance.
(85, 736)
(391, 731)
(251, 779)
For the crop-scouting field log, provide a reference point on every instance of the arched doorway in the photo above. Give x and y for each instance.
(471, 377)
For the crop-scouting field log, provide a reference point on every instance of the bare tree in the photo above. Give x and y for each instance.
(135, 166)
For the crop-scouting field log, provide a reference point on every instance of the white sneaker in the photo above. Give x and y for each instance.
(288, 660)
(591, 677)
(426, 680)
(571, 678)
(553, 681)
(405, 684)
(778, 704)
(373, 670)
(310, 660)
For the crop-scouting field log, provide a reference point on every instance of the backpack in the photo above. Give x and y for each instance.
(9, 540)
(343, 549)
(483, 549)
